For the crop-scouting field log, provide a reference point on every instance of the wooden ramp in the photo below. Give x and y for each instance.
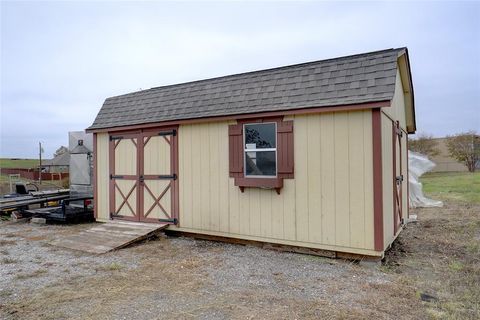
(108, 236)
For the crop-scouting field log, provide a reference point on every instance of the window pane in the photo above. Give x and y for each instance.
(258, 136)
(260, 163)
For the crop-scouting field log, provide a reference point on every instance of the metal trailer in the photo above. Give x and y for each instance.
(77, 206)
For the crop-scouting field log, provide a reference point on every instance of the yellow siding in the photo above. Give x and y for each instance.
(102, 176)
(405, 175)
(328, 205)
(387, 175)
(397, 113)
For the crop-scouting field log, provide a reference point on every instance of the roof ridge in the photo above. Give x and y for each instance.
(261, 70)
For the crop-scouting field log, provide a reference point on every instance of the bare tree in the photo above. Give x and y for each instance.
(424, 144)
(465, 148)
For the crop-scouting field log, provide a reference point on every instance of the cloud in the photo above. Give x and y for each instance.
(60, 60)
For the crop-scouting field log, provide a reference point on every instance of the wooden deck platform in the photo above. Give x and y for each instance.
(108, 236)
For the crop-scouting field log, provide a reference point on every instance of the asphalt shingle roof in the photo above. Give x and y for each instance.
(367, 77)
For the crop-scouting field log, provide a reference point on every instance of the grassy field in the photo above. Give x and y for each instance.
(456, 186)
(18, 163)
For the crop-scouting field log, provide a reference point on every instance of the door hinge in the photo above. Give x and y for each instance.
(172, 221)
(115, 138)
(115, 177)
(113, 215)
(399, 179)
(399, 132)
(168, 133)
(168, 177)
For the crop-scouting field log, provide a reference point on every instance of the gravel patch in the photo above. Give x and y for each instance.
(28, 261)
(177, 278)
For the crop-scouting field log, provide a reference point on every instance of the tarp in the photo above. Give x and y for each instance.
(418, 164)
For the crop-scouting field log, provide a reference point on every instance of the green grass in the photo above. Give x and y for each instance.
(18, 163)
(456, 186)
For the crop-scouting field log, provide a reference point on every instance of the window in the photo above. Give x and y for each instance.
(260, 147)
(261, 152)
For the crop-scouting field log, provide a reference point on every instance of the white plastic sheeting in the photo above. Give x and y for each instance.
(418, 164)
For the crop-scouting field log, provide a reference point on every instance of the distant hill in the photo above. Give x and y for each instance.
(18, 163)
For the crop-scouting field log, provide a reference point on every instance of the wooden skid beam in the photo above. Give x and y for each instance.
(276, 246)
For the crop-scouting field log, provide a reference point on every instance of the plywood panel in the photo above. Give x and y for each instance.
(266, 212)
(405, 175)
(342, 183)
(244, 210)
(367, 182)
(103, 179)
(156, 156)
(185, 176)
(301, 177)
(214, 174)
(196, 176)
(327, 167)
(128, 189)
(233, 208)
(277, 217)
(223, 180)
(314, 178)
(356, 179)
(126, 157)
(254, 212)
(315, 207)
(205, 178)
(387, 175)
(151, 208)
(289, 209)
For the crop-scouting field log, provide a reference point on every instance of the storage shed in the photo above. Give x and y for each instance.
(312, 155)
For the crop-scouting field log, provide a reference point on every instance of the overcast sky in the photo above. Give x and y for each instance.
(60, 60)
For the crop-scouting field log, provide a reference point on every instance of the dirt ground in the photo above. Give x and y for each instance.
(435, 259)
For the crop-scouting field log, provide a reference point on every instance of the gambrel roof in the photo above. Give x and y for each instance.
(356, 79)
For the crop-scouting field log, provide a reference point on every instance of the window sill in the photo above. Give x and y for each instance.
(267, 183)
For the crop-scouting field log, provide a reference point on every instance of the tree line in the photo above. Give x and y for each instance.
(463, 147)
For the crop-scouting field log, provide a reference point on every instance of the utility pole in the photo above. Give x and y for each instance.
(40, 166)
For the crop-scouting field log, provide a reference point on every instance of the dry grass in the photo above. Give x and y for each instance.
(8, 260)
(440, 255)
(34, 274)
(110, 267)
(6, 242)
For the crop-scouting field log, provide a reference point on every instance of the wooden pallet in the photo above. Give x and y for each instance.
(109, 236)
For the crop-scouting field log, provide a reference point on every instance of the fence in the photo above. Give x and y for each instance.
(31, 174)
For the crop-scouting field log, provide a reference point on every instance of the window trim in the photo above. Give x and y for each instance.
(284, 145)
(245, 150)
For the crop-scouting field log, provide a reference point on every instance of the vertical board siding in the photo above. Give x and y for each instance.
(102, 179)
(397, 112)
(342, 183)
(330, 200)
(387, 175)
(369, 241)
(327, 174)
(405, 175)
(301, 177)
(356, 169)
(314, 184)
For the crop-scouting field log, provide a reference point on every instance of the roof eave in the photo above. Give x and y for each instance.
(406, 72)
(300, 110)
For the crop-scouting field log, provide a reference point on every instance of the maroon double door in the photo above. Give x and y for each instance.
(144, 175)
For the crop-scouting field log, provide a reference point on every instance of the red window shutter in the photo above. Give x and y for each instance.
(285, 164)
(235, 150)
